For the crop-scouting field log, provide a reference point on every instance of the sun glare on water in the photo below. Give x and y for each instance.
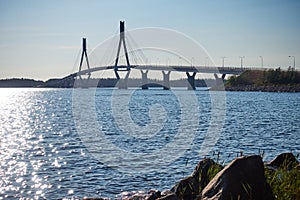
(18, 143)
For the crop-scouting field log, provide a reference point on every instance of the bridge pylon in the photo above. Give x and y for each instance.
(84, 55)
(144, 79)
(166, 80)
(122, 84)
(191, 81)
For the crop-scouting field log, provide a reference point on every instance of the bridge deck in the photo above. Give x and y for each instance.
(200, 69)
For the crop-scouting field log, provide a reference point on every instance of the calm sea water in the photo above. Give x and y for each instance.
(57, 143)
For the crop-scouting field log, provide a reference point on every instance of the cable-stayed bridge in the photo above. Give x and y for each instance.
(166, 70)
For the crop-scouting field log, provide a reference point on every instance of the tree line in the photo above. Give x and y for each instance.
(267, 77)
(279, 76)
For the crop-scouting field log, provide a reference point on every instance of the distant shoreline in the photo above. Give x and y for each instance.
(100, 83)
(254, 86)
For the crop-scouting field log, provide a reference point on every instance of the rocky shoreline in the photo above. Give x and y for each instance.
(265, 88)
(256, 88)
(246, 177)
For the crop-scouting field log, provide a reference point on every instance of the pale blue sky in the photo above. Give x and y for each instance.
(41, 39)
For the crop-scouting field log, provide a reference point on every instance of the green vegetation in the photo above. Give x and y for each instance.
(282, 77)
(268, 77)
(285, 184)
(213, 170)
(211, 173)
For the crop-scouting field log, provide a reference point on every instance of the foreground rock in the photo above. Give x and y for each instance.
(170, 196)
(243, 178)
(190, 187)
(284, 160)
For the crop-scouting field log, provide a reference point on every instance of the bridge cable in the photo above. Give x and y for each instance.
(114, 43)
(108, 54)
(134, 56)
(111, 54)
(131, 51)
(141, 54)
(76, 64)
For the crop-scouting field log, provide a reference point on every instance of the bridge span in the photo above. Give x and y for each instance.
(166, 70)
(197, 69)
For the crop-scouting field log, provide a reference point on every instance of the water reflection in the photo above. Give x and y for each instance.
(23, 153)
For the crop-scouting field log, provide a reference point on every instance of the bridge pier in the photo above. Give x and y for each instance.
(223, 76)
(144, 80)
(166, 76)
(219, 81)
(123, 83)
(191, 81)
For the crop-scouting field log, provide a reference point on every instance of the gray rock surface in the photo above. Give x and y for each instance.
(243, 178)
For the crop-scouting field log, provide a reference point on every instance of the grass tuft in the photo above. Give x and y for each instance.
(285, 184)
